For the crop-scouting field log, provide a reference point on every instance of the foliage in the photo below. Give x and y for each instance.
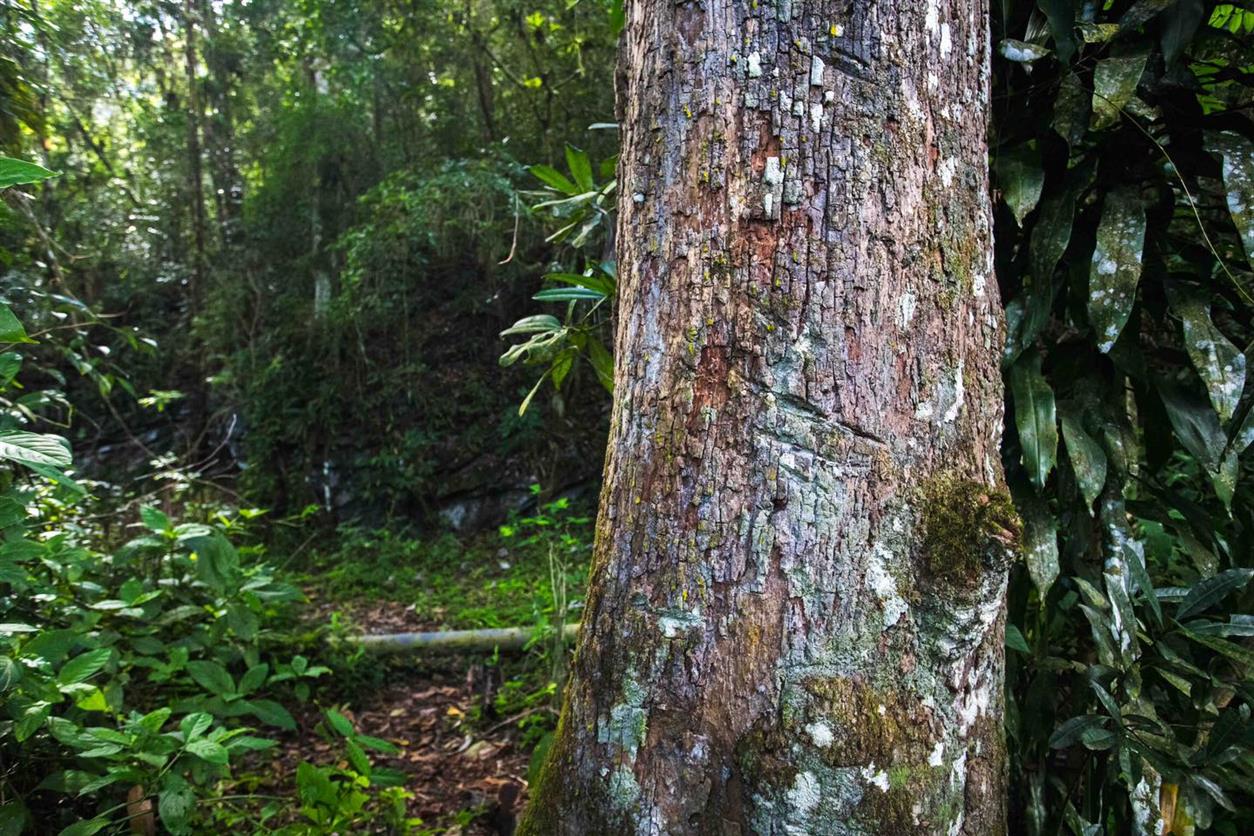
(1122, 146)
(582, 212)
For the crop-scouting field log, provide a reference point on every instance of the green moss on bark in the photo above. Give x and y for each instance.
(968, 529)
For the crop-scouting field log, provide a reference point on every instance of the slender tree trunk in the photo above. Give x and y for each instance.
(195, 177)
(795, 620)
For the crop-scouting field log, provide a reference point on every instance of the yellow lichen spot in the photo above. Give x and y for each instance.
(836, 30)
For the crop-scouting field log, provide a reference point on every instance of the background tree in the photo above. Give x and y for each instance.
(795, 615)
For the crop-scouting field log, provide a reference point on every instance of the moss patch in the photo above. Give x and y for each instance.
(968, 529)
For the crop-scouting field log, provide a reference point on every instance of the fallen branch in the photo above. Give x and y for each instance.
(505, 639)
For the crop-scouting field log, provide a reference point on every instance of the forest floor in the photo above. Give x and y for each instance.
(465, 726)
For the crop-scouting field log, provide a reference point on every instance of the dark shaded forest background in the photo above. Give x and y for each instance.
(306, 320)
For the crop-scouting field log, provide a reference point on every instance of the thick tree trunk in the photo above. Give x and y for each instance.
(795, 618)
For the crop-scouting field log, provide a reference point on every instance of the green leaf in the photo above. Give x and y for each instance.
(1114, 85)
(209, 750)
(1070, 732)
(522, 407)
(83, 666)
(339, 722)
(175, 803)
(11, 330)
(1072, 108)
(1040, 540)
(602, 363)
(217, 562)
(554, 178)
(86, 828)
(271, 713)
(1116, 265)
(13, 818)
(1238, 176)
(603, 284)
(568, 294)
(254, 678)
(539, 323)
(10, 673)
(1087, 460)
(1061, 17)
(10, 365)
(580, 168)
(34, 448)
(314, 786)
(1020, 176)
(154, 520)
(1220, 364)
(1050, 235)
(1179, 25)
(194, 725)
(20, 173)
(1034, 418)
(1015, 640)
(1210, 591)
(212, 677)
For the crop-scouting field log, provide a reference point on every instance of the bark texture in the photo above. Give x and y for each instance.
(795, 618)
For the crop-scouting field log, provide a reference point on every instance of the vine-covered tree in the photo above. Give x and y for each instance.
(796, 614)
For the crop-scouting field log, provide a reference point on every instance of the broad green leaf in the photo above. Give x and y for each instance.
(603, 284)
(11, 330)
(254, 678)
(1072, 109)
(212, 677)
(1061, 17)
(1070, 732)
(194, 725)
(1220, 364)
(1015, 640)
(1210, 591)
(10, 365)
(1040, 540)
(580, 168)
(539, 323)
(13, 818)
(602, 363)
(175, 803)
(34, 448)
(552, 177)
(339, 722)
(154, 519)
(1087, 459)
(1051, 234)
(1114, 85)
(217, 562)
(1020, 176)
(1034, 418)
(1141, 13)
(1116, 265)
(10, 673)
(271, 713)
(1179, 25)
(83, 666)
(20, 173)
(1196, 427)
(86, 828)
(209, 750)
(1238, 176)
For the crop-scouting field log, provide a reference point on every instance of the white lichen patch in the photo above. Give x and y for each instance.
(905, 309)
(755, 65)
(804, 795)
(820, 734)
(957, 393)
(884, 586)
(674, 622)
(816, 71)
(947, 170)
(876, 778)
(946, 40)
(937, 758)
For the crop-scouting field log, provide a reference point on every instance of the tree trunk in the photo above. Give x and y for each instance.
(795, 618)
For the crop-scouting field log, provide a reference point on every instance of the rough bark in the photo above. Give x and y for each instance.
(795, 618)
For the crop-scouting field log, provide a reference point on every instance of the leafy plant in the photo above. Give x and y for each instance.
(1123, 157)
